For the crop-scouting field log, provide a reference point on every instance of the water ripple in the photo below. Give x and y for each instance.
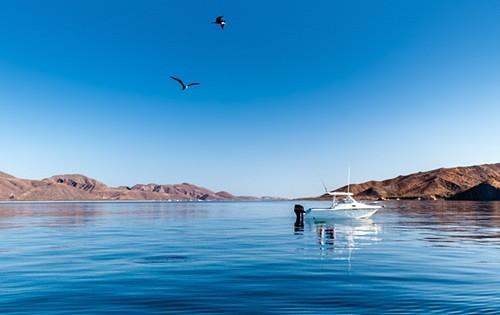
(217, 258)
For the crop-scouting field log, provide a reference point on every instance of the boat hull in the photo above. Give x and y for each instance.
(329, 213)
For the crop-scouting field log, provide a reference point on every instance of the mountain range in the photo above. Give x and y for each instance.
(80, 187)
(479, 182)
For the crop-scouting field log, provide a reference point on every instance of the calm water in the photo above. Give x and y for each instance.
(152, 258)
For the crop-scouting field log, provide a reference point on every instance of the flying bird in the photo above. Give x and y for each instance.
(220, 21)
(183, 85)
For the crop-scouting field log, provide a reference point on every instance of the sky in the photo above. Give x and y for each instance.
(292, 92)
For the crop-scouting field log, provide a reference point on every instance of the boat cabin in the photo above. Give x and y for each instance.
(342, 198)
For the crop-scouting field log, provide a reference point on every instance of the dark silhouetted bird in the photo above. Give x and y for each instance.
(220, 21)
(183, 85)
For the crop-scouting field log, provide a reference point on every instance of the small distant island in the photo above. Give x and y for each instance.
(77, 187)
(479, 182)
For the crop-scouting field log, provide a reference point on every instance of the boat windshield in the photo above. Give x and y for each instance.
(347, 199)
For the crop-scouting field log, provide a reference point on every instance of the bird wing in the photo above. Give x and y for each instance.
(178, 80)
(219, 19)
(194, 83)
(222, 26)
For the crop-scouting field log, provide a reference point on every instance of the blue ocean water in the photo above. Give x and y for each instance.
(247, 257)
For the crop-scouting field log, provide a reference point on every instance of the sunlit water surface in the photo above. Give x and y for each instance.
(157, 258)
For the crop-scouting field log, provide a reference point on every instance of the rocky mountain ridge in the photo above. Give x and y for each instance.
(79, 187)
(442, 183)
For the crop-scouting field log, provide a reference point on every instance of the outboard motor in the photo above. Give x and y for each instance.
(299, 215)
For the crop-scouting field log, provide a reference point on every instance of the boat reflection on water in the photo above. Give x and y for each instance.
(340, 239)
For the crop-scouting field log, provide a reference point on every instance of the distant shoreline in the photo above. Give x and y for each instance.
(134, 201)
(80, 188)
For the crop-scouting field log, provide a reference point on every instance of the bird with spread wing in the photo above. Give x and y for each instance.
(184, 86)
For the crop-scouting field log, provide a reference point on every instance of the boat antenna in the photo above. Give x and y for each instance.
(348, 179)
(324, 186)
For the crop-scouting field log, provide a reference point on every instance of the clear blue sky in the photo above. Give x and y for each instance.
(292, 91)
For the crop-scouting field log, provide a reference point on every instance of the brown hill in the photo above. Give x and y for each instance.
(182, 191)
(54, 192)
(11, 186)
(438, 183)
(5, 175)
(78, 181)
(80, 187)
(487, 191)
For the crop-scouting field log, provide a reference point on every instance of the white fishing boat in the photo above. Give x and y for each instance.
(344, 206)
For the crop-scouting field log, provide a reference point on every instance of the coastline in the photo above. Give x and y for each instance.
(3, 202)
